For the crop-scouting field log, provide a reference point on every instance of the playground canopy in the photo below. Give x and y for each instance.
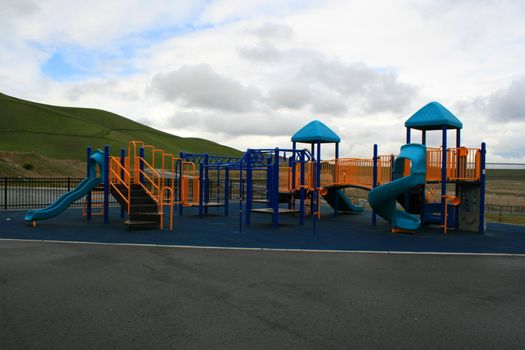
(433, 116)
(315, 132)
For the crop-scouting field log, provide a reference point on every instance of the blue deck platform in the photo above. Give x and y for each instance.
(341, 232)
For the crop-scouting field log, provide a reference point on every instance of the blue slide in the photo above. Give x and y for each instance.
(78, 192)
(334, 196)
(383, 199)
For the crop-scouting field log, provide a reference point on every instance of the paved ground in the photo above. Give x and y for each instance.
(81, 296)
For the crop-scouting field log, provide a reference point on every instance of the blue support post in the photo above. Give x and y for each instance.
(226, 190)
(458, 167)
(444, 177)
(302, 190)
(374, 182)
(292, 164)
(408, 135)
(206, 183)
(317, 183)
(424, 137)
(482, 188)
(122, 176)
(275, 189)
(88, 197)
(269, 180)
(294, 171)
(335, 176)
(106, 184)
(201, 194)
(241, 192)
(249, 189)
(181, 156)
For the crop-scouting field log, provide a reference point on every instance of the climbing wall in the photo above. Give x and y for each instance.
(469, 207)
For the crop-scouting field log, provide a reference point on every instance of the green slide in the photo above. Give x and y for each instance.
(338, 197)
(383, 198)
(78, 192)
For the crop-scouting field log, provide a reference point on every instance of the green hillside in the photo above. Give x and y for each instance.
(65, 132)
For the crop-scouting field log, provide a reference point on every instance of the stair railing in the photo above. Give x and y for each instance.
(167, 200)
(116, 169)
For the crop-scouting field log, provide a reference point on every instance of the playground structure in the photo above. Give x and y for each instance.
(421, 186)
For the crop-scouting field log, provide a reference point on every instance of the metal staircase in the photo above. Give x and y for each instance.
(143, 210)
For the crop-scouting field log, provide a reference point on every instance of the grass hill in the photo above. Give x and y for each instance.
(33, 132)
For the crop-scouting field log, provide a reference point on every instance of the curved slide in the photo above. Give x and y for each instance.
(383, 198)
(78, 192)
(334, 196)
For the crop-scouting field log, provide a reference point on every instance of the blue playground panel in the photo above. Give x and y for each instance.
(351, 232)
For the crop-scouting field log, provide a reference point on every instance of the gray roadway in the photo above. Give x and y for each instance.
(80, 296)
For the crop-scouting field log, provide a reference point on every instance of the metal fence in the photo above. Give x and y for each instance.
(506, 209)
(32, 193)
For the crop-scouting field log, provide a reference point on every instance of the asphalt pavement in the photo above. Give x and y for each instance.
(91, 296)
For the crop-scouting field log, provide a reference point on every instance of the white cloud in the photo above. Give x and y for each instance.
(251, 73)
(508, 104)
(201, 86)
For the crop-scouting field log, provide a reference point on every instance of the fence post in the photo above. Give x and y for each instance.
(375, 181)
(68, 183)
(5, 193)
(105, 176)
(88, 197)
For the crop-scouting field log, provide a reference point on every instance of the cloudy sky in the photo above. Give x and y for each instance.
(250, 73)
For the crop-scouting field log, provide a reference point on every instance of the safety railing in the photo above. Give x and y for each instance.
(384, 168)
(190, 185)
(434, 163)
(309, 173)
(354, 171)
(348, 172)
(328, 173)
(97, 203)
(151, 180)
(120, 175)
(285, 179)
(463, 164)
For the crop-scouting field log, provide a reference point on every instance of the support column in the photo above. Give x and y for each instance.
(249, 189)
(106, 184)
(226, 190)
(374, 182)
(443, 176)
(482, 188)
(88, 197)
(275, 189)
(302, 190)
(458, 172)
(201, 194)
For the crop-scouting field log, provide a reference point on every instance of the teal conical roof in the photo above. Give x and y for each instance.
(433, 116)
(315, 132)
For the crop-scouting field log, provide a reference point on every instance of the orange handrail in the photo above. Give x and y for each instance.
(190, 173)
(115, 169)
(454, 201)
(169, 203)
(154, 182)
